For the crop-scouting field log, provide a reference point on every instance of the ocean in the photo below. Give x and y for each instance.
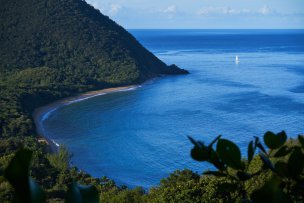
(138, 137)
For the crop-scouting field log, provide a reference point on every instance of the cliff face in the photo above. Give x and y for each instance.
(75, 41)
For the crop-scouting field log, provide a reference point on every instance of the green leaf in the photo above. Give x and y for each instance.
(18, 168)
(274, 141)
(229, 153)
(251, 150)
(296, 162)
(301, 140)
(282, 168)
(89, 194)
(214, 159)
(270, 192)
(258, 144)
(81, 194)
(283, 151)
(267, 162)
(256, 140)
(37, 194)
(243, 176)
(73, 194)
(17, 173)
(200, 153)
(215, 173)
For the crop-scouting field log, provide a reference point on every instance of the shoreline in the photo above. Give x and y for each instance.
(42, 113)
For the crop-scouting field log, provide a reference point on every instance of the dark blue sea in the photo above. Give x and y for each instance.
(138, 137)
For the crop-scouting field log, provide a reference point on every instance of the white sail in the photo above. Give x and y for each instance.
(237, 59)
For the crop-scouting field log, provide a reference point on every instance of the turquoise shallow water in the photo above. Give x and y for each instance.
(138, 137)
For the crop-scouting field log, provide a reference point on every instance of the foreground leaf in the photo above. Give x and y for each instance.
(200, 153)
(283, 151)
(301, 140)
(214, 159)
(37, 194)
(17, 173)
(296, 162)
(270, 192)
(282, 168)
(251, 150)
(274, 141)
(81, 194)
(267, 162)
(258, 144)
(229, 153)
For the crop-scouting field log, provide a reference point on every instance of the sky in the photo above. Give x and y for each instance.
(204, 14)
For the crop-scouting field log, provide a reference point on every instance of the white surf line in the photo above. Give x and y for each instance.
(45, 115)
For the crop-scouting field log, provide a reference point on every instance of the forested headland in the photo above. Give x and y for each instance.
(51, 49)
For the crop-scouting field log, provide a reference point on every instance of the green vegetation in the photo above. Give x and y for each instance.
(50, 49)
(61, 159)
(282, 168)
(79, 44)
(275, 175)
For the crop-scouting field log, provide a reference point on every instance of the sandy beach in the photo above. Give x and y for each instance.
(41, 113)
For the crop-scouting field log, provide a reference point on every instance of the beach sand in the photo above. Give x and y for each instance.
(43, 112)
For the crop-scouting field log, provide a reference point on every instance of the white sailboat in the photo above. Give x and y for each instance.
(237, 61)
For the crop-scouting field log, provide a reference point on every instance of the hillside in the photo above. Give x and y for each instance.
(75, 40)
(50, 49)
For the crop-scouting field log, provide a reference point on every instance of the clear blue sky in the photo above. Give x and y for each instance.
(204, 14)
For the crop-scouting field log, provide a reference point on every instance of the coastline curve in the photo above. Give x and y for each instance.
(40, 114)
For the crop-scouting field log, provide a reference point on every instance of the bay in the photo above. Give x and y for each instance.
(138, 137)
